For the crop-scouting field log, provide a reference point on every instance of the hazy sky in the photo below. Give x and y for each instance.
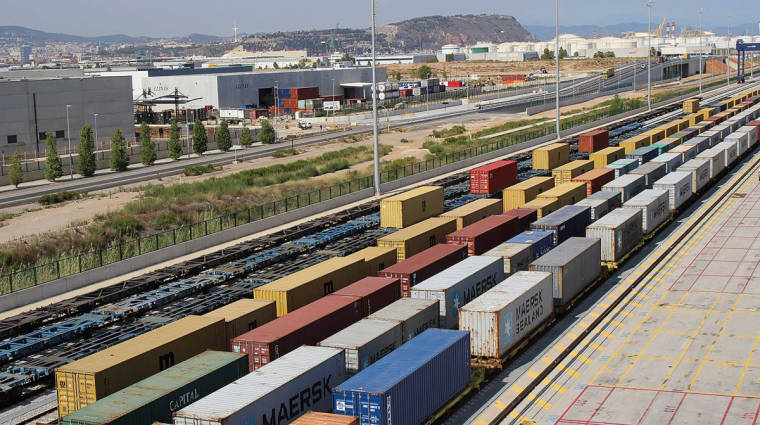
(172, 18)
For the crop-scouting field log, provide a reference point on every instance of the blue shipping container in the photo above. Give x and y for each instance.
(566, 222)
(409, 384)
(643, 155)
(540, 242)
(283, 93)
(623, 166)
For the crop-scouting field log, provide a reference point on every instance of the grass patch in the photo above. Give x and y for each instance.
(511, 125)
(198, 170)
(453, 131)
(57, 198)
(282, 153)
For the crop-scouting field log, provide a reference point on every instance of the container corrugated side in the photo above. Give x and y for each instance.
(427, 263)
(543, 206)
(623, 166)
(459, 284)
(551, 156)
(503, 316)
(301, 382)
(541, 242)
(671, 160)
(652, 171)
(598, 207)
(243, 315)
(365, 342)
(564, 223)
(700, 170)
(493, 177)
(517, 195)
(627, 186)
(717, 158)
(419, 237)
(373, 292)
(574, 264)
(643, 154)
(678, 185)
(516, 256)
(525, 215)
(654, 206)
(595, 179)
(565, 173)
(687, 151)
(376, 257)
(485, 234)
(413, 314)
(702, 142)
(619, 232)
(731, 152)
(607, 156)
(566, 193)
(613, 199)
(474, 211)
(410, 384)
(318, 418)
(411, 207)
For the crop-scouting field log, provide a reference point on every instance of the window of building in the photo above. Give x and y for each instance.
(43, 135)
(12, 139)
(60, 134)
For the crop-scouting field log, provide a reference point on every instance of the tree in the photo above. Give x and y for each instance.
(16, 174)
(562, 53)
(245, 137)
(147, 146)
(397, 76)
(449, 57)
(53, 167)
(423, 72)
(86, 150)
(223, 139)
(200, 140)
(175, 145)
(347, 58)
(547, 55)
(609, 55)
(275, 66)
(267, 134)
(575, 54)
(119, 157)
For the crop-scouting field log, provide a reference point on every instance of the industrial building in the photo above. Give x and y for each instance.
(396, 59)
(31, 107)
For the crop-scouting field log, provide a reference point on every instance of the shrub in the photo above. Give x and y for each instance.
(404, 140)
(267, 134)
(125, 226)
(334, 165)
(167, 220)
(282, 153)
(434, 147)
(56, 198)
(197, 170)
(16, 174)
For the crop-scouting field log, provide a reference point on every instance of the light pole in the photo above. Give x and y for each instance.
(556, 50)
(96, 129)
(650, 3)
(376, 142)
(333, 96)
(68, 135)
(728, 52)
(701, 11)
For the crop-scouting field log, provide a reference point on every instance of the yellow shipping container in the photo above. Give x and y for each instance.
(670, 128)
(243, 315)
(84, 381)
(543, 206)
(690, 106)
(419, 237)
(551, 156)
(693, 119)
(474, 211)
(565, 173)
(518, 194)
(411, 207)
(683, 124)
(728, 102)
(632, 143)
(707, 113)
(376, 257)
(607, 156)
(566, 193)
(312, 283)
(655, 135)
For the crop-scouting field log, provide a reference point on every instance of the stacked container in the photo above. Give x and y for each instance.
(419, 237)
(607, 156)
(474, 211)
(411, 207)
(623, 166)
(525, 215)
(493, 177)
(643, 155)
(551, 156)
(636, 142)
(687, 151)
(485, 234)
(716, 158)
(595, 179)
(566, 173)
(543, 206)
(619, 232)
(540, 242)
(427, 263)
(516, 256)
(564, 223)
(521, 193)
(373, 293)
(593, 141)
(730, 151)
(678, 185)
(671, 160)
(376, 257)
(574, 265)
(703, 142)
(365, 342)
(243, 315)
(566, 193)
(412, 314)
(627, 186)
(654, 206)
(652, 171)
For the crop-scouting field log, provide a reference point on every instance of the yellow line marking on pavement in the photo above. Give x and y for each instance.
(561, 368)
(553, 385)
(532, 397)
(480, 421)
(712, 345)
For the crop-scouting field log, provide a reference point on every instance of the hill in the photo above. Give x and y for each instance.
(16, 35)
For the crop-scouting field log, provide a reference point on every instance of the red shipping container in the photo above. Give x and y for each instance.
(427, 263)
(455, 84)
(373, 292)
(303, 93)
(493, 177)
(756, 123)
(525, 215)
(593, 141)
(595, 179)
(485, 234)
(307, 325)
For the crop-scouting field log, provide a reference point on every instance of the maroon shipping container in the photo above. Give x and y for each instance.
(595, 179)
(755, 123)
(307, 325)
(593, 141)
(304, 93)
(525, 215)
(485, 234)
(373, 292)
(493, 177)
(427, 263)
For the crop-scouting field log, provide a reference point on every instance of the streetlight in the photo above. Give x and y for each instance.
(96, 130)
(728, 52)
(556, 49)
(68, 135)
(333, 96)
(650, 3)
(701, 11)
(374, 107)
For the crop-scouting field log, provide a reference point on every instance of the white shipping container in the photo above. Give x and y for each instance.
(499, 319)
(671, 161)
(412, 314)
(731, 152)
(723, 130)
(460, 284)
(717, 158)
(307, 375)
(700, 172)
(599, 207)
(627, 186)
(702, 142)
(365, 342)
(619, 232)
(752, 133)
(742, 141)
(232, 113)
(654, 207)
(516, 256)
(574, 264)
(688, 152)
(678, 185)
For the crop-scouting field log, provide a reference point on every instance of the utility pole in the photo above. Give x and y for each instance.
(235, 29)
(68, 134)
(701, 11)
(376, 142)
(650, 3)
(728, 52)
(556, 50)
(96, 130)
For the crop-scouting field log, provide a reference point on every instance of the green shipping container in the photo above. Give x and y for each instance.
(154, 399)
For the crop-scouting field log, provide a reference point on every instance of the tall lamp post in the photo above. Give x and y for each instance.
(374, 108)
(96, 129)
(701, 11)
(650, 3)
(556, 50)
(68, 135)
(728, 53)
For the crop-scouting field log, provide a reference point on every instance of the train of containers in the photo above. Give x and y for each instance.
(469, 283)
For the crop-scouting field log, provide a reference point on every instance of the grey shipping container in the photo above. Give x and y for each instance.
(654, 207)
(460, 284)
(627, 186)
(732, 153)
(516, 256)
(266, 395)
(365, 342)
(598, 207)
(412, 314)
(723, 130)
(614, 199)
(717, 159)
(619, 232)
(574, 265)
(700, 172)
(702, 142)
(652, 171)
(671, 161)
(570, 220)
(741, 139)
(678, 185)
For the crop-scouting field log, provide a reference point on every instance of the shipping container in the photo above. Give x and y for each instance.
(376, 258)
(551, 156)
(678, 185)
(656, 134)
(607, 156)
(365, 342)
(243, 315)
(411, 207)
(307, 325)
(427, 263)
(318, 418)
(595, 179)
(566, 193)
(597, 207)
(655, 208)
(627, 186)
(516, 256)
(687, 151)
(566, 173)
(700, 170)
(652, 171)
(613, 199)
(740, 139)
(690, 106)
(671, 161)
(540, 242)
(157, 397)
(485, 234)
(666, 144)
(84, 381)
(731, 153)
(525, 215)
(304, 286)
(413, 314)
(636, 142)
(717, 159)
(593, 141)
(493, 177)
(519, 194)
(373, 293)
(411, 383)
(623, 166)
(723, 130)
(460, 284)
(574, 265)
(643, 155)
(543, 206)
(278, 393)
(474, 211)
(564, 223)
(619, 232)
(419, 237)
(502, 317)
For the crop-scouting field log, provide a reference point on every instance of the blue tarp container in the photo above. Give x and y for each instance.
(643, 155)
(623, 166)
(409, 384)
(540, 242)
(566, 222)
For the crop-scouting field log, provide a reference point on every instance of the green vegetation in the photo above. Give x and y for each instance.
(423, 72)
(86, 150)
(267, 134)
(282, 153)
(57, 198)
(507, 126)
(16, 174)
(197, 170)
(147, 146)
(547, 54)
(602, 55)
(562, 53)
(453, 131)
(174, 144)
(223, 138)
(245, 137)
(200, 139)
(119, 157)
(53, 167)
(404, 140)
